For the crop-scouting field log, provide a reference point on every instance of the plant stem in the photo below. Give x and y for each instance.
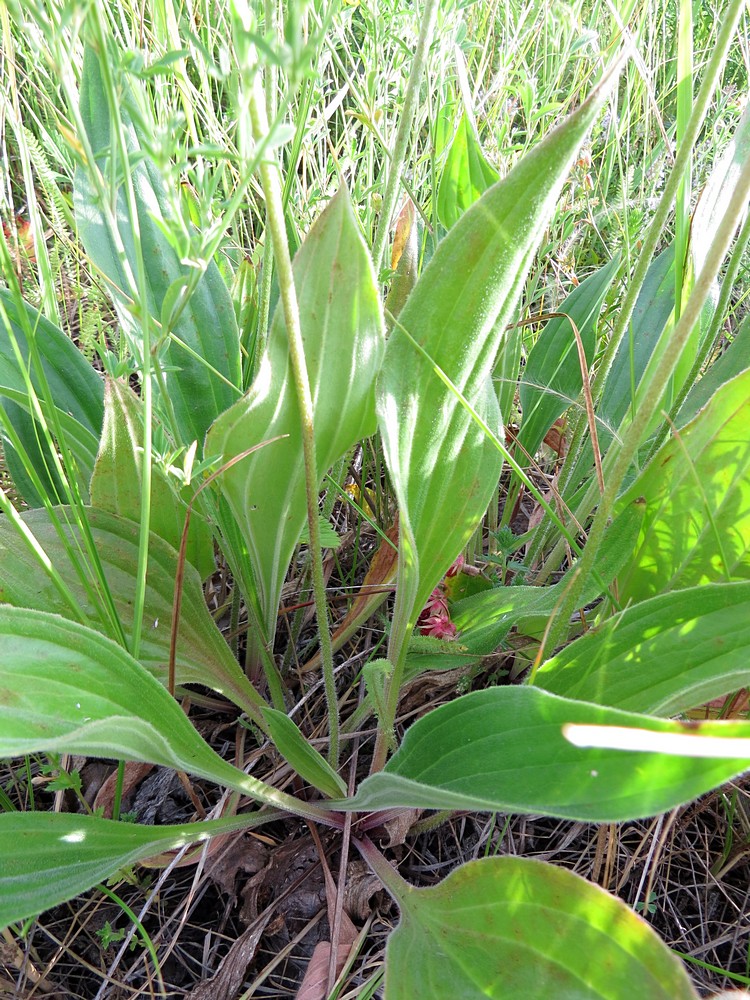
(403, 133)
(264, 306)
(275, 213)
(397, 886)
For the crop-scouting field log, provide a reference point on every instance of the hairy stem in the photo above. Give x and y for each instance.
(269, 175)
(403, 133)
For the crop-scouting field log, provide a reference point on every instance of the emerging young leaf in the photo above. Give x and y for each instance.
(466, 175)
(200, 355)
(203, 656)
(662, 656)
(442, 466)
(513, 927)
(503, 750)
(697, 491)
(342, 327)
(304, 758)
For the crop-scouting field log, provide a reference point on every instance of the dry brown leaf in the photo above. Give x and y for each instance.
(555, 437)
(360, 887)
(398, 828)
(404, 225)
(314, 986)
(287, 863)
(134, 775)
(228, 978)
(236, 853)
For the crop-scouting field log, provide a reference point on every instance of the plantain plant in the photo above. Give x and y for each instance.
(131, 479)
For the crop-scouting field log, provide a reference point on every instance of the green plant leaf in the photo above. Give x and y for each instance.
(653, 309)
(304, 758)
(201, 378)
(51, 857)
(503, 750)
(69, 391)
(697, 490)
(342, 327)
(329, 539)
(75, 387)
(442, 466)
(37, 458)
(732, 361)
(514, 927)
(552, 379)
(662, 656)
(650, 329)
(466, 175)
(68, 689)
(203, 656)
(116, 484)
(484, 619)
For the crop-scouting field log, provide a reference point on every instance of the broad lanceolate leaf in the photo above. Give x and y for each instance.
(442, 467)
(203, 656)
(503, 750)
(648, 335)
(552, 379)
(67, 387)
(697, 492)
(116, 484)
(662, 656)
(201, 376)
(513, 927)
(51, 857)
(342, 327)
(652, 312)
(68, 689)
(466, 175)
(484, 619)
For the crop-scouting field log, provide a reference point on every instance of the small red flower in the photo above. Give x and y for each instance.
(435, 619)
